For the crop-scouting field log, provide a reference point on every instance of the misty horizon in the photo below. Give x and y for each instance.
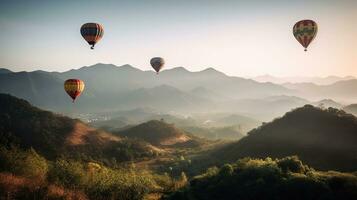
(292, 79)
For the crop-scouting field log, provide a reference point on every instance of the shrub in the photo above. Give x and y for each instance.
(68, 173)
(24, 163)
(292, 164)
(226, 170)
(33, 165)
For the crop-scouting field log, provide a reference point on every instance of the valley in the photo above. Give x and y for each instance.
(164, 156)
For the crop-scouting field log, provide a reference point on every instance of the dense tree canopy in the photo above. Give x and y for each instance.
(286, 178)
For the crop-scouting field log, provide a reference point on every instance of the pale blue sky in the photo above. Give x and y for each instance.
(242, 38)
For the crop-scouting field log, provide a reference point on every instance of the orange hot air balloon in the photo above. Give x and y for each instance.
(157, 63)
(74, 88)
(305, 32)
(92, 33)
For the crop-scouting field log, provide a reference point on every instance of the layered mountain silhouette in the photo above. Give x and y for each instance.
(110, 87)
(265, 108)
(340, 91)
(323, 138)
(301, 79)
(39, 88)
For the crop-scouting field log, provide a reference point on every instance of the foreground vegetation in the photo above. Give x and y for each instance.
(24, 174)
(27, 175)
(286, 178)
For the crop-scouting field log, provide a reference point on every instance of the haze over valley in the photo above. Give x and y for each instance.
(176, 91)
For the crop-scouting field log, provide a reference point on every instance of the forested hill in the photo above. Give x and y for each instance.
(160, 133)
(53, 135)
(323, 138)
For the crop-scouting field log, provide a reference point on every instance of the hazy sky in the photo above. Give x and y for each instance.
(242, 38)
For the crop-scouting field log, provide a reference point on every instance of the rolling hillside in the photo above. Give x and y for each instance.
(324, 139)
(160, 133)
(53, 135)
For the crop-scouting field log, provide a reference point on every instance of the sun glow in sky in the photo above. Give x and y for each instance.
(241, 38)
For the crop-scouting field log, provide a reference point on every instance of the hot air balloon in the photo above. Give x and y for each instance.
(157, 63)
(74, 88)
(305, 31)
(92, 33)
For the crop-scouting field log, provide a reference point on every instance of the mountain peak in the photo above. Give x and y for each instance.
(97, 66)
(107, 67)
(129, 67)
(103, 65)
(211, 70)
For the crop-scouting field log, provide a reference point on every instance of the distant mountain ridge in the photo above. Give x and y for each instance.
(302, 79)
(112, 87)
(109, 87)
(39, 88)
(351, 109)
(340, 91)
